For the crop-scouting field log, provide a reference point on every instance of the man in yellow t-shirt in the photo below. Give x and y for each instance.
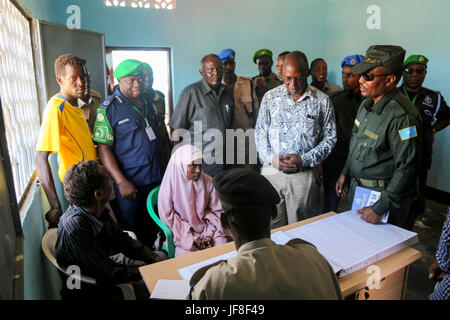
(64, 130)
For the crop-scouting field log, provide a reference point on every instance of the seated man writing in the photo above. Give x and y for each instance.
(88, 237)
(261, 269)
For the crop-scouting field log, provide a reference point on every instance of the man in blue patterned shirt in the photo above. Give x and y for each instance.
(440, 268)
(295, 133)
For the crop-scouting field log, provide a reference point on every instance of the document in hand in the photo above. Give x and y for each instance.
(366, 198)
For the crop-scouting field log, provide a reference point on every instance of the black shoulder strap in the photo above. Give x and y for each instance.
(250, 115)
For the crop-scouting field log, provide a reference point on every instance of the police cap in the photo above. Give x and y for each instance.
(261, 52)
(227, 55)
(381, 55)
(416, 58)
(352, 60)
(129, 67)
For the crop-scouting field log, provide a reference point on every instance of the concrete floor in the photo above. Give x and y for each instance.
(428, 227)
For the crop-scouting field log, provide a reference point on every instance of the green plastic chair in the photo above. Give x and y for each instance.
(152, 201)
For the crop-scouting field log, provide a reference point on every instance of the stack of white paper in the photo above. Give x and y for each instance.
(350, 243)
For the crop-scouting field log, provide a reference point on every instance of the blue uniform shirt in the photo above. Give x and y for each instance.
(119, 125)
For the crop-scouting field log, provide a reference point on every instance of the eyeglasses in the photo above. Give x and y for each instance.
(370, 76)
(418, 71)
(290, 79)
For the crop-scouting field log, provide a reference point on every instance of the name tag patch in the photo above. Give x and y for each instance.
(371, 135)
(408, 133)
(123, 121)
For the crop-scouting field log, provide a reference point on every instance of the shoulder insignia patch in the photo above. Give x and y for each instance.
(357, 122)
(100, 117)
(408, 133)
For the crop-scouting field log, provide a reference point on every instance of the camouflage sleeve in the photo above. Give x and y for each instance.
(103, 132)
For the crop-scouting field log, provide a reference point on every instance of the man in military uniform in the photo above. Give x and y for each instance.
(431, 106)
(229, 78)
(127, 134)
(319, 73)
(245, 110)
(385, 145)
(266, 79)
(159, 104)
(346, 105)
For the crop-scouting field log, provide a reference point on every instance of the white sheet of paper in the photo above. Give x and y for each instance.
(187, 272)
(350, 243)
(171, 290)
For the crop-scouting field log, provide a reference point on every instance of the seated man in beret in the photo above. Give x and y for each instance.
(90, 239)
(261, 269)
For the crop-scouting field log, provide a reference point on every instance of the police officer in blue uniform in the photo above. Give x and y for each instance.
(126, 132)
(435, 115)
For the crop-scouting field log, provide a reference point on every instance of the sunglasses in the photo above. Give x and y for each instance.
(418, 71)
(370, 76)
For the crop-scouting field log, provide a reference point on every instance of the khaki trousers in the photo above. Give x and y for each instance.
(299, 193)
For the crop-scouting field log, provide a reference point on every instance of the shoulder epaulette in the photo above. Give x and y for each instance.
(105, 104)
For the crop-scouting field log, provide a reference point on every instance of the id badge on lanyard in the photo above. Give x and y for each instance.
(148, 129)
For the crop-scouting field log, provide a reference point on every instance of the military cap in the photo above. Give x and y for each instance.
(352, 60)
(261, 52)
(416, 58)
(227, 55)
(145, 65)
(129, 67)
(244, 187)
(381, 55)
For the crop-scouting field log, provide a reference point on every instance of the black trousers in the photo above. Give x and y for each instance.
(330, 198)
(418, 205)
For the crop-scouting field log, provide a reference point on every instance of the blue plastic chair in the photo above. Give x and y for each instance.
(152, 202)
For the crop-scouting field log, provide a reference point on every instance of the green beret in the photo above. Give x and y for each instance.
(416, 58)
(130, 67)
(148, 67)
(261, 52)
(381, 55)
(244, 187)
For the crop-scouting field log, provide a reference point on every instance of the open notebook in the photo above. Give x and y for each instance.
(345, 240)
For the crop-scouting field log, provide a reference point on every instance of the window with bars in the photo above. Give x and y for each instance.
(18, 93)
(156, 4)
